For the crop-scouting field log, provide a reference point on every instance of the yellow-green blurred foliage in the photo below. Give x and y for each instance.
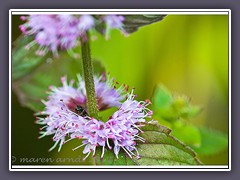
(186, 53)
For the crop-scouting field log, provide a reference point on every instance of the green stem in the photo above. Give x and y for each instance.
(88, 76)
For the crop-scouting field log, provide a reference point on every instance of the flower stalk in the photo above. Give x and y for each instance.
(88, 77)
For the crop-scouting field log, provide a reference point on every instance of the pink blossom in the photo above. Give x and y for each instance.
(63, 31)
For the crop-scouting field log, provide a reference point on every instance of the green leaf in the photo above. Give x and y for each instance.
(212, 142)
(181, 105)
(162, 103)
(187, 133)
(162, 97)
(31, 88)
(193, 111)
(171, 108)
(110, 159)
(190, 111)
(133, 22)
(24, 61)
(176, 110)
(160, 148)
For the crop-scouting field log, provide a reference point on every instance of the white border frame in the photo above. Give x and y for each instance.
(120, 11)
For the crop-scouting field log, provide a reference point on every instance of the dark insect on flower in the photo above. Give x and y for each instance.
(81, 111)
(76, 108)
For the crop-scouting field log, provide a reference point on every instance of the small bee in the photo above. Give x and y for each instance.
(78, 109)
(81, 111)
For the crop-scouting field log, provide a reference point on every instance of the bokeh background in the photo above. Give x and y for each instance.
(188, 54)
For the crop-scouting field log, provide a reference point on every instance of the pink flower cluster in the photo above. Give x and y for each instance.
(63, 31)
(121, 131)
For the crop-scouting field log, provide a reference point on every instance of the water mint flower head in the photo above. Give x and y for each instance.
(121, 130)
(44, 29)
(51, 32)
(63, 31)
(60, 106)
(107, 93)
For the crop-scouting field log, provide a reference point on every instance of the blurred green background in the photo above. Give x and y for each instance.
(188, 54)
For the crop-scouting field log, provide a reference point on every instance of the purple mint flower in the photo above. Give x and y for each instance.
(59, 109)
(60, 118)
(68, 31)
(51, 32)
(106, 92)
(124, 125)
(114, 22)
(68, 94)
(36, 23)
(85, 23)
(60, 106)
(122, 129)
(134, 110)
(95, 134)
(60, 124)
(45, 31)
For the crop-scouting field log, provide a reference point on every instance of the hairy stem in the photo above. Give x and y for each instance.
(88, 76)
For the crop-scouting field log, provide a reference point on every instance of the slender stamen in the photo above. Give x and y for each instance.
(139, 137)
(87, 155)
(53, 146)
(29, 45)
(43, 127)
(94, 150)
(110, 147)
(44, 134)
(130, 151)
(78, 146)
(68, 140)
(102, 151)
(60, 146)
(127, 152)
